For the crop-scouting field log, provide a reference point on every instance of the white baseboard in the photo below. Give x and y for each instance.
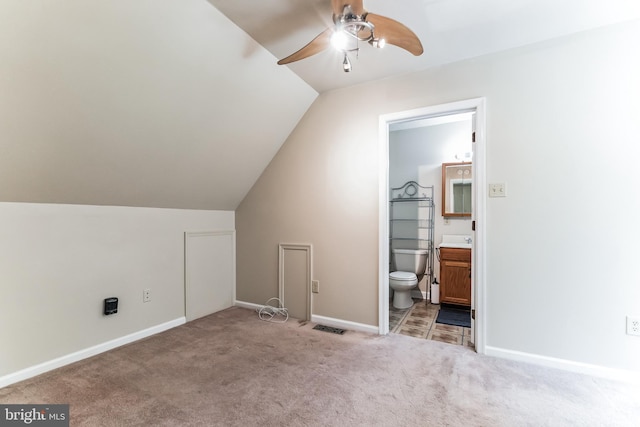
(87, 352)
(344, 324)
(328, 321)
(567, 365)
(249, 305)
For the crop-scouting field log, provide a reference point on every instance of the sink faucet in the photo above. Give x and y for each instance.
(468, 240)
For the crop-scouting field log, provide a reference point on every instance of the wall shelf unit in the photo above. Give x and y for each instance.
(411, 221)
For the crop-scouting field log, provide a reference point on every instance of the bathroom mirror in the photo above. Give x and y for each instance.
(456, 189)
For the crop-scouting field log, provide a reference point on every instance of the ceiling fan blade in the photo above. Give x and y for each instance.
(395, 33)
(338, 6)
(317, 45)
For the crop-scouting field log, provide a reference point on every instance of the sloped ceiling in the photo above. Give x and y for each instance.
(137, 103)
(450, 30)
(170, 104)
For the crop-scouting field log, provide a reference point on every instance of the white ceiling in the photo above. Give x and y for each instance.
(450, 30)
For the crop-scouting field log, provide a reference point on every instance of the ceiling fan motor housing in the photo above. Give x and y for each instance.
(354, 25)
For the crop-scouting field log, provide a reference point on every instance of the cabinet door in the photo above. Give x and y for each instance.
(455, 277)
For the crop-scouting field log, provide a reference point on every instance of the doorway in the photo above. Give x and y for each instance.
(394, 121)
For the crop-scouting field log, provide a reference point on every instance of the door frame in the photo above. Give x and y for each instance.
(308, 249)
(478, 262)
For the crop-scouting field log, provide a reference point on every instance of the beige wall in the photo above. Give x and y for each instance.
(319, 189)
(561, 132)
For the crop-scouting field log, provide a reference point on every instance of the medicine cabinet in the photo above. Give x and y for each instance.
(456, 189)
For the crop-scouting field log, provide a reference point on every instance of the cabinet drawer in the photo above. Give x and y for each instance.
(455, 254)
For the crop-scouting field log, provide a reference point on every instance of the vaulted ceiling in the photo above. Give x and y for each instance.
(137, 103)
(182, 105)
(450, 30)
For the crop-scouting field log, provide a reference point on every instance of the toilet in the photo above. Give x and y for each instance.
(410, 265)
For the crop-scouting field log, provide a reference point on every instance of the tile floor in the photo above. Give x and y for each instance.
(420, 321)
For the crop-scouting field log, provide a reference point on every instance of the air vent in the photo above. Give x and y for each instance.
(329, 329)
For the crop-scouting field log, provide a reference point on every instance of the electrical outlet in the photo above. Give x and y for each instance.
(146, 295)
(498, 190)
(315, 286)
(633, 325)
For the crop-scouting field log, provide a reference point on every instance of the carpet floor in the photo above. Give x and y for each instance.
(232, 369)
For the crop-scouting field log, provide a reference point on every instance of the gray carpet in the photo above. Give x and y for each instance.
(231, 369)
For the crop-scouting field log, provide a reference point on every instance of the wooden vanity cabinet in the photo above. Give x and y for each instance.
(455, 276)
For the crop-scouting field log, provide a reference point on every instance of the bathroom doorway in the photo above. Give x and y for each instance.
(441, 122)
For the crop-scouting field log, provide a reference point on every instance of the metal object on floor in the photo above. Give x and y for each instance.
(330, 329)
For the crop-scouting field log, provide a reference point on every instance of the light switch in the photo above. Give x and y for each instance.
(498, 190)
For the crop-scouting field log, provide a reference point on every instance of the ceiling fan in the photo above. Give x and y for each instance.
(353, 24)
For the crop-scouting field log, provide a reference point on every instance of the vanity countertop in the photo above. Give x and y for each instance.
(455, 245)
(459, 241)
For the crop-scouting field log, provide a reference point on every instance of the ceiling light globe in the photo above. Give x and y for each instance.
(339, 40)
(378, 43)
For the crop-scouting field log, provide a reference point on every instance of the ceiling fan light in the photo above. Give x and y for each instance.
(378, 43)
(339, 40)
(346, 64)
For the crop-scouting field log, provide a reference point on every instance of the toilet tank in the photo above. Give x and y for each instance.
(411, 260)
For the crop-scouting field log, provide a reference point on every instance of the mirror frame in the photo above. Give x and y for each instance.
(445, 185)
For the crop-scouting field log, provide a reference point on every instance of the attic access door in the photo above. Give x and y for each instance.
(209, 272)
(294, 279)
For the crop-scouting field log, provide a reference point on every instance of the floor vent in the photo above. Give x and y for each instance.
(329, 329)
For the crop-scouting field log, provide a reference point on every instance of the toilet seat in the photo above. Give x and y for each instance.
(403, 276)
(402, 282)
